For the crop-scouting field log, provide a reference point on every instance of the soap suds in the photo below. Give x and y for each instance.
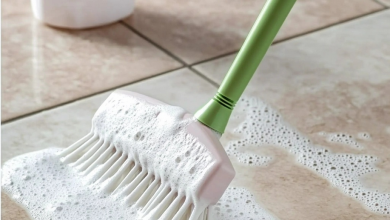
(245, 157)
(137, 144)
(364, 136)
(140, 153)
(264, 126)
(48, 189)
(137, 162)
(345, 139)
(238, 203)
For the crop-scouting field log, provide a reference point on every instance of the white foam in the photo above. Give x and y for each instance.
(364, 136)
(345, 139)
(48, 189)
(154, 138)
(55, 191)
(238, 203)
(264, 126)
(133, 141)
(129, 139)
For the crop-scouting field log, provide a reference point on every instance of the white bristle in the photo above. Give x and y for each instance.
(108, 164)
(161, 193)
(149, 192)
(139, 190)
(172, 208)
(89, 155)
(78, 150)
(129, 177)
(100, 157)
(114, 168)
(121, 175)
(134, 183)
(76, 145)
(115, 180)
(183, 212)
(160, 207)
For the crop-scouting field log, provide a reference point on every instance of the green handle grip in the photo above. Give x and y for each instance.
(216, 113)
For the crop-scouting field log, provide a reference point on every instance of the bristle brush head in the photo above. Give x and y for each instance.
(153, 155)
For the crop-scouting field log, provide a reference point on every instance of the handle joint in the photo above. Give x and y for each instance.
(225, 101)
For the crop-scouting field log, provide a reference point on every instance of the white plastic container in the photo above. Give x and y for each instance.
(79, 14)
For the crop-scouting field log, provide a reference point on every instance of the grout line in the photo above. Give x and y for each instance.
(212, 82)
(170, 53)
(381, 3)
(216, 57)
(185, 65)
(154, 43)
(85, 97)
(216, 84)
(330, 25)
(296, 36)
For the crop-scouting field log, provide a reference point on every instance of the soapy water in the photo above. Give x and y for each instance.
(48, 189)
(238, 203)
(137, 162)
(263, 126)
(345, 139)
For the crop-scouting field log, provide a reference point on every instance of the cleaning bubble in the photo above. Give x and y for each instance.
(70, 198)
(48, 197)
(364, 136)
(238, 203)
(131, 141)
(342, 138)
(263, 126)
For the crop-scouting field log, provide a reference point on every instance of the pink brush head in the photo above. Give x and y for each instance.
(154, 155)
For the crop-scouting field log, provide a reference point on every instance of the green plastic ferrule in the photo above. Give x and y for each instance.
(216, 113)
(225, 101)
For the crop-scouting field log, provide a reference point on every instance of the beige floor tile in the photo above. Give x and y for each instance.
(10, 210)
(43, 66)
(342, 89)
(64, 125)
(385, 2)
(198, 30)
(334, 80)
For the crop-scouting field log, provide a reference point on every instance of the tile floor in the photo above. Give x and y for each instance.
(44, 67)
(329, 72)
(384, 2)
(196, 31)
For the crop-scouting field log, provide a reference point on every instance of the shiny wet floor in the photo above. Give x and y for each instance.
(327, 73)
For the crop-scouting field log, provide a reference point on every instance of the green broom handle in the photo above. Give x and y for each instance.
(216, 113)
